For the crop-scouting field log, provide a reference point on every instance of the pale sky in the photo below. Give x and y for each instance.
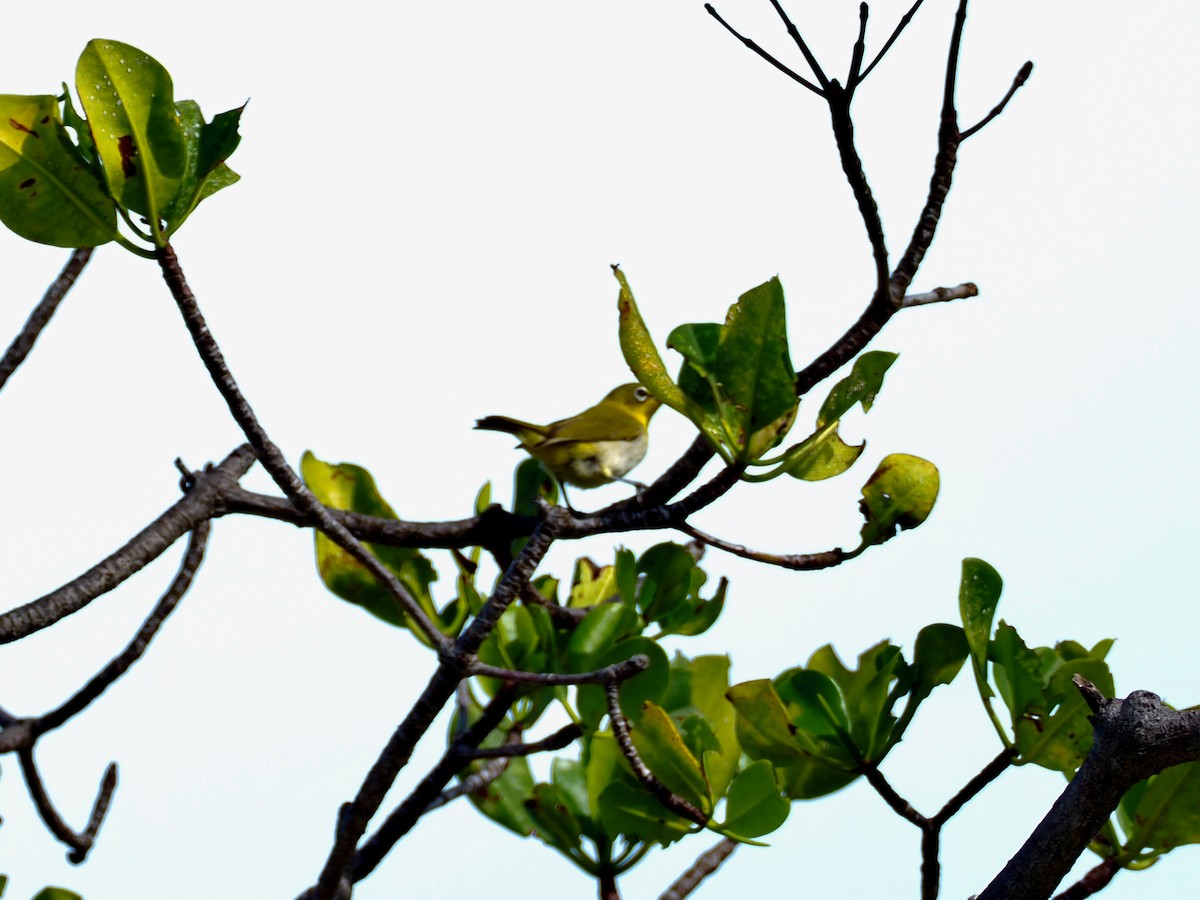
(431, 198)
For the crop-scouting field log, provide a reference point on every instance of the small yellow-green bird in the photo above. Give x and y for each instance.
(595, 447)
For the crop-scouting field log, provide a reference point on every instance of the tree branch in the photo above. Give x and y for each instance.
(121, 664)
(800, 562)
(941, 295)
(272, 457)
(81, 842)
(664, 795)
(202, 501)
(40, 317)
(1021, 77)
(706, 864)
(1134, 738)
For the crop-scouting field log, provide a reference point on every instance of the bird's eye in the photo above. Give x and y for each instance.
(640, 394)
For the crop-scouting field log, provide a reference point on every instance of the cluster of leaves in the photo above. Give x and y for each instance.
(136, 152)
(737, 385)
(1048, 722)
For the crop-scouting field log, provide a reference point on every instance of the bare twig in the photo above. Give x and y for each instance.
(805, 52)
(618, 672)
(40, 317)
(1021, 77)
(706, 864)
(801, 562)
(790, 73)
(664, 795)
(202, 502)
(121, 664)
(904, 20)
(941, 295)
(993, 770)
(81, 842)
(564, 737)
(476, 781)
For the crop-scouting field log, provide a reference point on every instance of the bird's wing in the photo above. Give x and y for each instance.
(613, 426)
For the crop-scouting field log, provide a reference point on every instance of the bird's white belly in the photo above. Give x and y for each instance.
(611, 461)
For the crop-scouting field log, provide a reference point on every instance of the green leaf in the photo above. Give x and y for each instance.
(764, 729)
(709, 683)
(868, 698)
(754, 370)
(666, 571)
(83, 142)
(860, 386)
(1166, 813)
(56, 893)
(900, 494)
(1018, 673)
(978, 596)
(754, 806)
(503, 799)
(938, 656)
(48, 193)
(204, 172)
(696, 615)
(663, 749)
(591, 584)
(350, 487)
(129, 101)
(823, 454)
(556, 825)
(1061, 740)
(813, 702)
(640, 353)
(597, 633)
(628, 809)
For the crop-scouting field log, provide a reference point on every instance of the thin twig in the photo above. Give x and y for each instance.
(986, 776)
(621, 671)
(663, 794)
(706, 864)
(40, 317)
(272, 457)
(564, 737)
(81, 842)
(898, 804)
(941, 295)
(853, 79)
(790, 73)
(800, 562)
(904, 20)
(476, 781)
(1020, 79)
(795, 35)
(121, 663)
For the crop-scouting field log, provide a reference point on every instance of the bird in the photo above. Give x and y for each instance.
(595, 447)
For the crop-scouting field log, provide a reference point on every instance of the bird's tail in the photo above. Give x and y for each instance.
(523, 431)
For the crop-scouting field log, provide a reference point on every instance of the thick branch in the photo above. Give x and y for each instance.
(1134, 738)
(202, 501)
(406, 815)
(40, 317)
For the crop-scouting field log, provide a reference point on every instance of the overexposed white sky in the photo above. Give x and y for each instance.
(431, 198)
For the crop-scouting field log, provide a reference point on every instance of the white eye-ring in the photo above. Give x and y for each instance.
(640, 394)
